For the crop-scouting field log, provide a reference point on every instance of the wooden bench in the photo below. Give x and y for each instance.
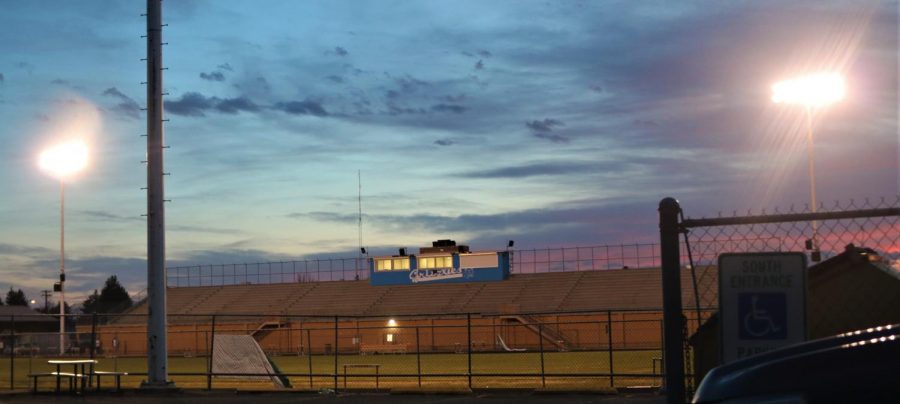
(381, 348)
(116, 375)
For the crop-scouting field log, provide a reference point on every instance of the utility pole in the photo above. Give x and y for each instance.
(46, 294)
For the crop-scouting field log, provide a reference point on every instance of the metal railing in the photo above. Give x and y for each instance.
(601, 349)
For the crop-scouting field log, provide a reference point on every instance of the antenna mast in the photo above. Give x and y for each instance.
(359, 183)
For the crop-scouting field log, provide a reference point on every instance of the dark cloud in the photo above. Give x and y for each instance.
(467, 53)
(479, 65)
(126, 105)
(340, 51)
(60, 82)
(453, 98)
(196, 104)
(106, 216)
(546, 125)
(592, 220)
(444, 142)
(232, 106)
(307, 107)
(409, 84)
(190, 104)
(335, 79)
(212, 76)
(537, 169)
(553, 137)
(596, 88)
(484, 53)
(456, 109)
(225, 66)
(396, 110)
(2, 78)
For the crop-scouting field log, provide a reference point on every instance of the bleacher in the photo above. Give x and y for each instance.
(542, 292)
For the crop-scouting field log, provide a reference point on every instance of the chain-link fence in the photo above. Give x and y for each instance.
(524, 261)
(556, 350)
(869, 229)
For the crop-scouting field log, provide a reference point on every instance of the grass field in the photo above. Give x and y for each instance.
(492, 370)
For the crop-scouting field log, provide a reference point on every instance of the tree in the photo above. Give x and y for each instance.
(16, 298)
(113, 298)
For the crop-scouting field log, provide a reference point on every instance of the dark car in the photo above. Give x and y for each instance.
(854, 367)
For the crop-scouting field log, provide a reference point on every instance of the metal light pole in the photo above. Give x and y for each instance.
(63, 161)
(813, 91)
(62, 267)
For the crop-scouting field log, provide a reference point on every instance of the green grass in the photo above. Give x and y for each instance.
(526, 364)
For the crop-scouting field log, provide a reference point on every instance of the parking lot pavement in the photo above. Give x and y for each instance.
(217, 397)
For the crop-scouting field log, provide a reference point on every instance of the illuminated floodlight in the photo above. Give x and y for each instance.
(392, 323)
(65, 159)
(816, 90)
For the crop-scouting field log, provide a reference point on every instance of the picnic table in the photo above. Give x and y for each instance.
(82, 371)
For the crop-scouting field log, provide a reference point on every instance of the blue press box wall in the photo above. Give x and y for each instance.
(440, 275)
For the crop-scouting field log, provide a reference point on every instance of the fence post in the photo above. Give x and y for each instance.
(212, 347)
(93, 335)
(335, 353)
(418, 357)
(672, 310)
(609, 344)
(309, 355)
(12, 354)
(541, 347)
(469, 343)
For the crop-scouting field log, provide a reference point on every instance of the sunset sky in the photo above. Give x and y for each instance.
(553, 123)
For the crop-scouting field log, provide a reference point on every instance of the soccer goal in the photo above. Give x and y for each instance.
(241, 355)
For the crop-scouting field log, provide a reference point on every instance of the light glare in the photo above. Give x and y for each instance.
(817, 90)
(65, 159)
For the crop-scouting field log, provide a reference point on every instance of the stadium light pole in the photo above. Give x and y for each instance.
(62, 162)
(813, 91)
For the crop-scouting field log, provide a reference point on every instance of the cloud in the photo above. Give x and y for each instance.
(479, 65)
(212, 76)
(190, 104)
(444, 142)
(546, 125)
(340, 51)
(335, 79)
(537, 169)
(232, 106)
(456, 109)
(645, 122)
(60, 82)
(106, 216)
(307, 107)
(225, 66)
(126, 106)
(484, 53)
(26, 66)
(196, 104)
(2, 78)
(553, 137)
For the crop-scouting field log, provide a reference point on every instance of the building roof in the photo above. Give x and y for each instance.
(23, 314)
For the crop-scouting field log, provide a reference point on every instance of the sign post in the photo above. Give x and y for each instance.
(762, 302)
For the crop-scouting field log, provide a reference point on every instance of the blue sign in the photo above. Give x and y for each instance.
(762, 316)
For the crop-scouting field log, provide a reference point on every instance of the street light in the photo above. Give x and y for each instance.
(62, 162)
(813, 91)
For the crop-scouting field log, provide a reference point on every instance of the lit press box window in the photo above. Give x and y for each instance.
(444, 262)
(383, 265)
(426, 263)
(401, 263)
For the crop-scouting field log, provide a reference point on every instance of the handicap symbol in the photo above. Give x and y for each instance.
(763, 316)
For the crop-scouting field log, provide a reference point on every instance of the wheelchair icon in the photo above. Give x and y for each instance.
(758, 322)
